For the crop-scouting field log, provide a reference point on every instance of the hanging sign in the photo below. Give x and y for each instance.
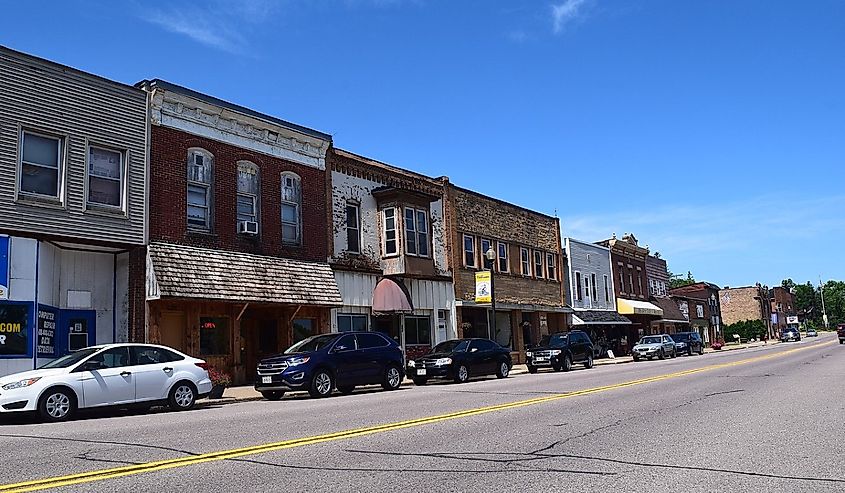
(483, 292)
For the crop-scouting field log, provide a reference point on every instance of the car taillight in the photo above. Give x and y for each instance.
(202, 365)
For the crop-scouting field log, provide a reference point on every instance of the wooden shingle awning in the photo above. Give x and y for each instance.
(179, 271)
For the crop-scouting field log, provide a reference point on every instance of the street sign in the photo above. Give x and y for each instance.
(483, 293)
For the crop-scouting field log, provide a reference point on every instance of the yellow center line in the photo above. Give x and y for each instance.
(117, 472)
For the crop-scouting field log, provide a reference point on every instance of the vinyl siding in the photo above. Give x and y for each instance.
(44, 97)
(598, 263)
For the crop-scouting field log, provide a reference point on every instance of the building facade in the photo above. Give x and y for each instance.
(782, 305)
(389, 238)
(236, 265)
(710, 326)
(526, 269)
(590, 292)
(628, 263)
(73, 172)
(673, 320)
(746, 303)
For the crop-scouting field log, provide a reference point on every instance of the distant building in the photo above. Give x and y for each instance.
(782, 303)
(746, 303)
(673, 320)
(707, 320)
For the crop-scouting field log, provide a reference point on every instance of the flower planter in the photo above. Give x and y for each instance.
(216, 392)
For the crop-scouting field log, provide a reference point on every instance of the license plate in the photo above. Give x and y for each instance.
(421, 371)
(540, 360)
(266, 379)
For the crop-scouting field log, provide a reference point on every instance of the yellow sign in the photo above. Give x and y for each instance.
(483, 292)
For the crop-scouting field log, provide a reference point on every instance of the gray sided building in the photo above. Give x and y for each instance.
(73, 174)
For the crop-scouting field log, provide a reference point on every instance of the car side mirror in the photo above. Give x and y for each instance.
(340, 349)
(90, 366)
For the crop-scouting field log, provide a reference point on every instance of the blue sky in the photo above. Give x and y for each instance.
(714, 131)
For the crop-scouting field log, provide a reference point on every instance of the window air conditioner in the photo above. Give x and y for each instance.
(248, 227)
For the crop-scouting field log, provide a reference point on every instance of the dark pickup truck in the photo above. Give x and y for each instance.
(840, 331)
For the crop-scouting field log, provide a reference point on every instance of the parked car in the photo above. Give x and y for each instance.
(688, 343)
(460, 359)
(560, 351)
(840, 331)
(657, 346)
(790, 334)
(812, 333)
(120, 375)
(322, 363)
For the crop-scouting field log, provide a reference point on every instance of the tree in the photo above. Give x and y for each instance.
(834, 302)
(789, 284)
(746, 329)
(676, 281)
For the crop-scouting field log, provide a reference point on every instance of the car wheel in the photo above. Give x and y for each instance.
(273, 395)
(567, 363)
(532, 369)
(689, 351)
(674, 353)
(589, 362)
(57, 405)
(636, 358)
(662, 354)
(701, 351)
(462, 374)
(504, 370)
(345, 389)
(322, 384)
(182, 397)
(420, 381)
(392, 378)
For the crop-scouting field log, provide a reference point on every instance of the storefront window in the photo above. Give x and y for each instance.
(503, 335)
(302, 329)
(417, 330)
(348, 322)
(214, 335)
(14, 329)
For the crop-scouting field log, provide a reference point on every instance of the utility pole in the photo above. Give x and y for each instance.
(824, 312)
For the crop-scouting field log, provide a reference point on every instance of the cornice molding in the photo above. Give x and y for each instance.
(197, 117)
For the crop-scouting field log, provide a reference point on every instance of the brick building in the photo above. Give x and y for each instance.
(782, 305)
(628, 262)
(527, 285)
(389, 235)
(673, 320)
(236, 264)
(746, 303)
(708, 320)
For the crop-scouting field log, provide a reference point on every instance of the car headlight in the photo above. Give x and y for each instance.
(443, 361)
(529, 354)
(555, 352)
(298, 361)
(21, 383)
(411, 363)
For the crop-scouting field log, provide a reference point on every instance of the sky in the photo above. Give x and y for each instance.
(714, 131)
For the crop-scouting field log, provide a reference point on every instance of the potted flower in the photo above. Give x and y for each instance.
(219, 381)
(717, 345)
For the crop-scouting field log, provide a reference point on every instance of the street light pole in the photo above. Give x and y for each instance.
(491, 256)
(824, 312)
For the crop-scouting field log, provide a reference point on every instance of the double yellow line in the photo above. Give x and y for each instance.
(118, 472)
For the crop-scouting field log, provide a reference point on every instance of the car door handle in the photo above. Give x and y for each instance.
(167, 369)
(125, 373)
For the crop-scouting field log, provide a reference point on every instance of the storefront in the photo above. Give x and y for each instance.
(673, 319)
(233, 309)
(608, 330)
(641, 314)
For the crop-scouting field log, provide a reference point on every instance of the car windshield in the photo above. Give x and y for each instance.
(311, 344)
(71, 359)
(450, 346)
(557, 340)
(680, 337)
(650, 340)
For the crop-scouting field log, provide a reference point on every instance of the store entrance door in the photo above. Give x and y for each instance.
(262, 341)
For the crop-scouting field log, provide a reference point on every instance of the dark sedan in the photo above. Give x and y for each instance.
(790, 334)
(688, 343)
(460, 359)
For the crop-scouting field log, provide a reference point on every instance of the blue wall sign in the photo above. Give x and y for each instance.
(4, 267)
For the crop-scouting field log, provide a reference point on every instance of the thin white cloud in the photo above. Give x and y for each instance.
(566, 12)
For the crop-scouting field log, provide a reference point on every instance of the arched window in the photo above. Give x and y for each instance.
(291, 209)
(200, 178)
(248, 191)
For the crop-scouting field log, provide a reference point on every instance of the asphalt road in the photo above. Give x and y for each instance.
(763, 419)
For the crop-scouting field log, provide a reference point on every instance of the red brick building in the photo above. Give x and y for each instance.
(236, 266)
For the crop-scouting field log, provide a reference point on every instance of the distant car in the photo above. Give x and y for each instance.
(840, 331)
(460, 359)
(812, 333)
(790, 334)
(320, 364)
(560, 351)
(688, 343)
(659, 346)
(117, 375)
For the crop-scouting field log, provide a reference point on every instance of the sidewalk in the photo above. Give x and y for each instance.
(247, 393)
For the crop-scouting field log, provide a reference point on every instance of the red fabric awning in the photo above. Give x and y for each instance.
(390, 297)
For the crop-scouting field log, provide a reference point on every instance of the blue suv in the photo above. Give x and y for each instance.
(323, 363)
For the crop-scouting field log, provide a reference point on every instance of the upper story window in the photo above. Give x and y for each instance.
(486, 245)
(504, 265)
(353, 228)
(579, 290)
(291, 209)
(200, 176)
(390, 240)
(416, 232)
(594, 288)
(551, 266)
(538, 264)
(469, 251)
(525, 261)
(41, 165)
(606, 289)
(248, 191)
(621, 278)
(106, 177)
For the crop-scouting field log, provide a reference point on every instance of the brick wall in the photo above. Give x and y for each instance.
(480, 216)
(629, 267)
(739, 304)
(168, 184)
(137, 294)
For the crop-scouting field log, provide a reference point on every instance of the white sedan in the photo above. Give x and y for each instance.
(107, 375)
